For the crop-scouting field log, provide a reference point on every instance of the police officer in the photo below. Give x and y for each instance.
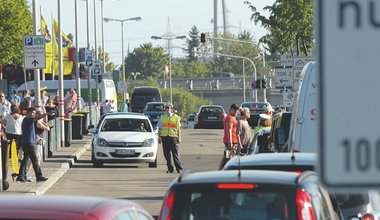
(169, 132)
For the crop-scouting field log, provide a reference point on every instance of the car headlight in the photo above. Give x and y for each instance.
(101, 142)
(148, 143)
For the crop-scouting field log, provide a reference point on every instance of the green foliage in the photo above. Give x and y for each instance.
(192, 42)
(184, 101)
(109, 65)
(15, 23)
(148, 60)
(192, 69)
(290, 26)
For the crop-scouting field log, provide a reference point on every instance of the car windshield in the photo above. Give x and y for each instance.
(254, 106)
(210, 204)
(125, 124)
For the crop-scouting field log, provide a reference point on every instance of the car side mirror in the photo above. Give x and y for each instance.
(279, 138)
(93, 130)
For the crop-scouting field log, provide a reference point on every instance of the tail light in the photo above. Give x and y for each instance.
(304, 206)
(167, 207)
(368, 217)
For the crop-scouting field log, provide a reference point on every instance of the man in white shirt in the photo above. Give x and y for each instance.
(5, 106)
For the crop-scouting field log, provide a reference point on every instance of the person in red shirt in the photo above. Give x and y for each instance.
(230, 139)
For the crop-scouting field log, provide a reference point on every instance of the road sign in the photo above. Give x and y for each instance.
(349, 141)
(122, 87)
(89, 60)
(288, 98)
(34, 52)
(283, 77)
(286, 59)
(97, 67)
(300, 62)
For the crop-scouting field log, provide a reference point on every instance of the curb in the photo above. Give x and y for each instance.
(58, 173)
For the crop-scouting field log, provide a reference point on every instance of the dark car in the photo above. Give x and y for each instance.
(69, 207)
(256, 108)
(352, 205)
(247, 194)
(154, 110)
(279, 133)
(209, 116)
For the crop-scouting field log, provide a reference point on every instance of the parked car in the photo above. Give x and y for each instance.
(247, 194)
(210, 116)
(69, 207)
(154, 110)
(256, 108)
(124, 138)
(351, 205)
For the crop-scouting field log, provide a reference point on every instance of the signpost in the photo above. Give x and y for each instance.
(97, 67)
(89, 59)
(349, 140)
(34, 52)
(122, 87)
(284, 77)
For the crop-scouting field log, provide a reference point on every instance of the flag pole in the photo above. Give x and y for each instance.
(42, 71)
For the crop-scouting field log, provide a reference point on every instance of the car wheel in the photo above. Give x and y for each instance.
(154, 164)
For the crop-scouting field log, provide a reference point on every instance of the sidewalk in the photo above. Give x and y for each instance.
(53, 168)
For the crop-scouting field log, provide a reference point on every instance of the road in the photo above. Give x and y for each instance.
(200, 150)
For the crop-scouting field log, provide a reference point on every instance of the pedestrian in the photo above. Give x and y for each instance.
(50, 107)
(244, 131)
(28, 143)
(70, 102)
(230, 139)
(125, 106)
(104, 108)
(265, 123)
(169, 131)
(40, 127)
(5, 106)
(26, 102)
(15, 98)
(111, 106)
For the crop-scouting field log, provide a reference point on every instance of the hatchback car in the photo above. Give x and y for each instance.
(352, 205)
(247, 195)
(69, 207)
(210, 116)
(154, 110)
(124, 138)
(256, 108)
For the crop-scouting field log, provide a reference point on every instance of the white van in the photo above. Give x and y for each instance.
(106, 88)
(303, 128)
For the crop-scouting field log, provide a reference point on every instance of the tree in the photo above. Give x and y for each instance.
(15, 23)
(192, 69)
(290, 26)
(109, 66)
(148, 60)
(192, 42)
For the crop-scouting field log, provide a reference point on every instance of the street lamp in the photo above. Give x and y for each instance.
(135, 74)
(122, 40)
(169, 39)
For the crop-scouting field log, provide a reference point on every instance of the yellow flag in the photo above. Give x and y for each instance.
(48, 45)
(66, 43)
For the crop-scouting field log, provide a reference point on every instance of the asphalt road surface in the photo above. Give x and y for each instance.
(201, 150)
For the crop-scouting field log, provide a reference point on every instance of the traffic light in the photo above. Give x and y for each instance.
(258, 84)
(81, 55)
(203, 37)
(263, 83)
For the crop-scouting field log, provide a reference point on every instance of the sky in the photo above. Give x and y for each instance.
(181, 14)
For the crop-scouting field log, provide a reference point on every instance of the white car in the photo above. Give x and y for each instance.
(124, 138)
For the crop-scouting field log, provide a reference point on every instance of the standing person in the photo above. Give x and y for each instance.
(112, 107)
(5, 106)
(230, 139)
(28, 142)
(26, 102)
(169, 132)
(244, 130)
(40, 127)
(70, 102)
(15, 98)
(125, 106)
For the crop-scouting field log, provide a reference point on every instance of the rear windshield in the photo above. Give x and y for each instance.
(155, 107)
(207, 110)
(212, 204)
(254, 106)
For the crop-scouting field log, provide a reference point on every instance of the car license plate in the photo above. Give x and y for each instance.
(155, 119)
(124, 151)
(212, 117)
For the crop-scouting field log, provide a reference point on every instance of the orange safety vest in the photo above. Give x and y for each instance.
(169, 126)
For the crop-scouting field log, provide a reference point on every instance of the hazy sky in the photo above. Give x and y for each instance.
(183, 14)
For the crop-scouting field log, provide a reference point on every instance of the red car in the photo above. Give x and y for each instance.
(69, 207)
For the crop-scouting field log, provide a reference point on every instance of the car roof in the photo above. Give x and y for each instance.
(211, 106)
(231, 176)
(126, 115)
(156, 103)
(254, 103)
(273, 159)
(52, 206)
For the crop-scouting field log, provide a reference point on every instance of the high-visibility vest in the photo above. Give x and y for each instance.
(169, 126)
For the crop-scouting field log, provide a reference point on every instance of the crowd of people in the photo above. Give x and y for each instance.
(23, 122)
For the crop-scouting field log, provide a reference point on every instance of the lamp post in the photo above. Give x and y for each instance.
(122, 41)
(169, 39)
(135, 74)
